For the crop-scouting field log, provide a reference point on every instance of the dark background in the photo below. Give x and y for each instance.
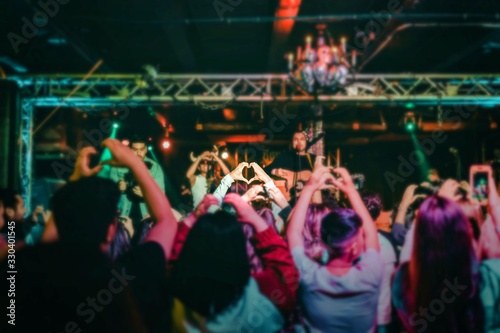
(188, 36)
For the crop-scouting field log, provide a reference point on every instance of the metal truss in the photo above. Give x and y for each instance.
(25, 156)
(215, 91)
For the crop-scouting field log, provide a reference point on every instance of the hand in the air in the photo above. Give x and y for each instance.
(82, 165)
(137, 191)
(449, 190)
(237, 173)
(253, 193)
(121, 155)
(260, 174)
(320, 177)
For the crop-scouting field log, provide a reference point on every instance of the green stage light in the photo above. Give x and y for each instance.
(410, 127)
(150, 148)
(115, 125)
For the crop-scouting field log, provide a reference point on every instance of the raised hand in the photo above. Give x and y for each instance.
(493, 201)
(344, 182)
(409, 197)
(121, 155)
(206, 155)
(278, 197)
(319, 178)
(137, 191)
(449, 190)
(202, 208)
(82, 166)
(38, 210)
(260, 174)
(318, 162)
(46, 215)
(245, 212)
(237, 173)
(253, 193)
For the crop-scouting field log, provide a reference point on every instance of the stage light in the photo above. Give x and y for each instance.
(410, 126)
(224, 155)
(165, 144)
(410, 121)
(115, 125)
(150, 148)
(125, 142)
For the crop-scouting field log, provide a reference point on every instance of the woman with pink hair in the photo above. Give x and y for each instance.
(444, 287)
(313, 244)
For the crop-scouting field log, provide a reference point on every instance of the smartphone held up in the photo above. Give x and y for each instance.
(478, 180)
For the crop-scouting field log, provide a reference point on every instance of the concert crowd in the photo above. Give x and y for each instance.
(111, 254)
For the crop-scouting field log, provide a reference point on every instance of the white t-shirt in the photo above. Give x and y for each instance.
(199, 190)
(389, 261)
(345, 303)
(406, 251)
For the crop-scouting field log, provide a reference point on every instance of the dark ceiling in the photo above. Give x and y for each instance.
(190, 36)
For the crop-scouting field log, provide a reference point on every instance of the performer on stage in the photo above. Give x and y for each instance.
(294, 165)
(200, 183)
(296, 159)
(132, 201)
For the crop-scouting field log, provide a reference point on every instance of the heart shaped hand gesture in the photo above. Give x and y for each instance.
(260, 174)
(237, 173)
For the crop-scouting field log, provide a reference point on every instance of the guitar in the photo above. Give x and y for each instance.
(287, 180)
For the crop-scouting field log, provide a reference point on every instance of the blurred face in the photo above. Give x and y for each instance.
(204, 166)
(433, 176)
(19, 212)
(139, 149)
(217, 170)
(299, 142)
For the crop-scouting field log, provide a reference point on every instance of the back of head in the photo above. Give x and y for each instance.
(213, 268)
(84, 209)
(329, 199)
(338, 229)
(443, 236)
(443, 254)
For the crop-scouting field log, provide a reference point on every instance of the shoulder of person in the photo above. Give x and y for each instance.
(371, 261)
(153, 162)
